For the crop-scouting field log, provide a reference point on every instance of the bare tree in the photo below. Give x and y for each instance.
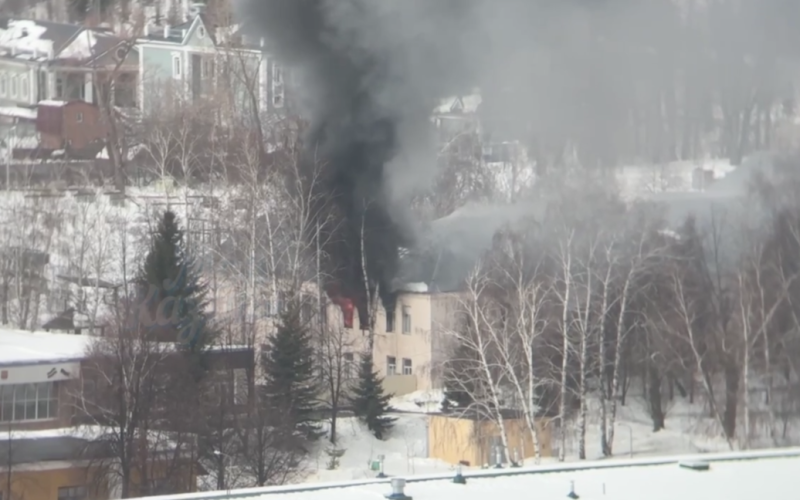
(336, 350)
(131, 390)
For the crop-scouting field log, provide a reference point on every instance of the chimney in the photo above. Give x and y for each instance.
(147, 29)
(166, 31)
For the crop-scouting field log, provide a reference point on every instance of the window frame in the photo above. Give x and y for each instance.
(391, 366)
(406, 311)
(23, 87)
(82, 490)
(348, 371)
(390, 321)
(407, 363)
(177, 66)
(3, 84)
(14, 86)
(23, 401)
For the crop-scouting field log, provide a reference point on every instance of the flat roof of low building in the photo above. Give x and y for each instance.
(18, 347)
(735, 476)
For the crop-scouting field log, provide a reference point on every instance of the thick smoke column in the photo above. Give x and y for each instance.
(370, 71)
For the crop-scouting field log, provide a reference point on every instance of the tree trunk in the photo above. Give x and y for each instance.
(583, 399)
(619, 345)
(731, 399)
(654, 397)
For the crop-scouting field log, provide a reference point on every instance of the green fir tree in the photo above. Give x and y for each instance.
(292, 387)
(174, 293)
(369, 402)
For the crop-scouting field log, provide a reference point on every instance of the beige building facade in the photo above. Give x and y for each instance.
(410, 345)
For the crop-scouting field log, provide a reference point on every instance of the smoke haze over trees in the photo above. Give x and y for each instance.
(577, 82)
(578, 305)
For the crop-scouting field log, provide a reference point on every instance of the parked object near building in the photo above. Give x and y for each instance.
(468, 438)
(69, 125)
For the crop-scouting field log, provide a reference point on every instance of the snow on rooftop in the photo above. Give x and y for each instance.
(637, 181)
(82, 47)
(25, 36)
(18, 347)
(414, 288)
(17, 112)
(732, 477)
(50, 102)
(459, 104)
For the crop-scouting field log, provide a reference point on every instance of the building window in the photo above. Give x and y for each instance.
(14, 86)
(348, 370)
(241, 386)
(3, 85)
(391, 365)
(23, 87)
(406, 319)
(207, 67)
(390, 321)
(72, 493)
(277, 85)
(28, 402)
(177, 68)
(407, 366)
(79, 117)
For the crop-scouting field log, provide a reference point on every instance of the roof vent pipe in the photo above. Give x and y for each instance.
(398, 489)
(166, 31)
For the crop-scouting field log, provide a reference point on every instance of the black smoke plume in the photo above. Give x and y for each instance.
(370, 73)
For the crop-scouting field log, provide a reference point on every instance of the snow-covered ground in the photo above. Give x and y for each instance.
(405, 451)
(635, 181)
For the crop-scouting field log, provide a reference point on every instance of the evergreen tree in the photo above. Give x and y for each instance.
(292, 387)
(175, 294)
(369, 402)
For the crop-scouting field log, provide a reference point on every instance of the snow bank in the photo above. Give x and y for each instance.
(419, 402)
(405, 452)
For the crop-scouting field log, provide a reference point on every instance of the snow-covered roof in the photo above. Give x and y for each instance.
(18, 112)
(21, 347)
(50, 102)
(732, 478)
(33, 39)
(459, 104)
